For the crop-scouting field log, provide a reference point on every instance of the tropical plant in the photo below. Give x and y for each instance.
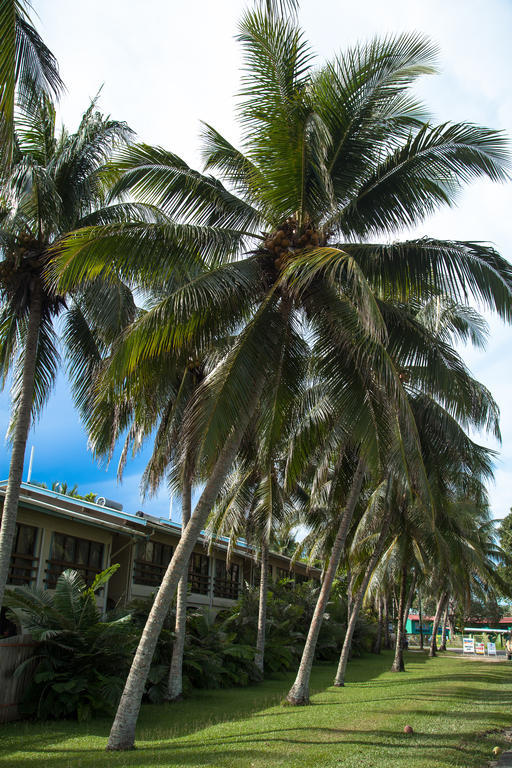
(53, 185)
(81, 658)
(254, 504)
(333, 158)
(290, 608)
(28, 69)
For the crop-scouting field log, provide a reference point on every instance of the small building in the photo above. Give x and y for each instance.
(55, 532)
(488, 626)
(412, 625)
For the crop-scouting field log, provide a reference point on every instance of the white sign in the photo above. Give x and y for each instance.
(468, 645)
(491, 649)
(480, 648)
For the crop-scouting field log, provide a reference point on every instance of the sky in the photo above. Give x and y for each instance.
(165, 65)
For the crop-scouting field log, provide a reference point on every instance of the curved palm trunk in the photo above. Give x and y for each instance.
(262, 608)
(339, 680)
(398, 663)
(387, 643)
(122, 734)
(378, 639)
(445, 622)
(451, 625)
(408, 603)
(299, 692)
(350, 601)
(420, 616)
(175, 684)
(19, 443)
(437, 619)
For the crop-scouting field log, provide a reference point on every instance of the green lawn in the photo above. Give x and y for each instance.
(453, 704)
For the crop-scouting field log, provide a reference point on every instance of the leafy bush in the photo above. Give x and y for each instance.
(82, 660)
(212, 656)
(290, 609)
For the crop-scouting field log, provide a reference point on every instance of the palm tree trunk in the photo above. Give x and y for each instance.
(437, 619)
(175, 684)
(451, 625)
(19, 443)
(420, 616)
(378, 639)
(408, 604)
(398, 663)
(387, 644)
(350, 585)
(122, 734)
(262, 608)
(339, 680)
(299, 692)
(445, 622)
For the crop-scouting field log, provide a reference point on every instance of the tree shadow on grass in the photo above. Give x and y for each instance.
(275, 746)
(166, 725)
(202, 709)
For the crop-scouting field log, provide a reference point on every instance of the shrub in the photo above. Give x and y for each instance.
(290, 609)
(82, 661)
(213, 657)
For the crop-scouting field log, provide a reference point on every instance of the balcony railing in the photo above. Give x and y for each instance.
(56, 567)
(149, 574)
(199, 584)
(225, 588)
(23, 569)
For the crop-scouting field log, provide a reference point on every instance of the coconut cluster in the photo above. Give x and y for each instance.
(287, 238)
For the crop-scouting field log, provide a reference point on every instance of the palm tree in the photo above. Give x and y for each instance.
(53, 185)
(333, 157)
(253, 504)
(28, 68)
(370, 540)
(152, 405)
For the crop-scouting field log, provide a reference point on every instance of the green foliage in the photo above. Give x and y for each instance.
(505, 533)
(214, 656)
(82, 660)
(219, 650)
(290, 609)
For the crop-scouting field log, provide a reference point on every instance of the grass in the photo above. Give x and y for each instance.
(455, 706)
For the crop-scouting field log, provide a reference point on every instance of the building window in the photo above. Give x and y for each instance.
(198, 576)
(227, 582)
(283, 573)
(300, 578)
(151, 561)
(256, 575)
(81, 555)
(23, 567)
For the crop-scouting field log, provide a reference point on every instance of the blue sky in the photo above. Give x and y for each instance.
(165, 65)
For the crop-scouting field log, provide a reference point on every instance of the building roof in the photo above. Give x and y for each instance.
(139, 525)
(504, 620)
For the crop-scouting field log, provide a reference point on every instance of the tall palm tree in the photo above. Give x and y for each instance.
(333, 158)
(366, 549)
(28, 68)
(253, 504)
(52, 186)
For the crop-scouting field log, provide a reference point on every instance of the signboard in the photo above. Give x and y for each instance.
(491, 649)
(468, 645)
(480, 648)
